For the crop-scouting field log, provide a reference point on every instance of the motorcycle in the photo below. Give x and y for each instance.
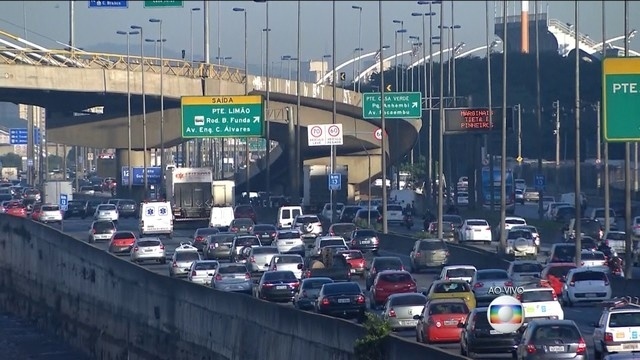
(408, 221)
(616, 266)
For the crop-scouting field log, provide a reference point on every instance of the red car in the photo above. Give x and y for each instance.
(391, 282)
(121, 242)
(16, 209)
(245, 212)
(553, 274)
(35, 213)
(356, 261)
(440, 321)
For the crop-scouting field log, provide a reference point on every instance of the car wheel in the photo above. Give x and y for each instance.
(91, 240)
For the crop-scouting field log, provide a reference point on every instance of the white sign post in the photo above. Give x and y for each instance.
(325, 135)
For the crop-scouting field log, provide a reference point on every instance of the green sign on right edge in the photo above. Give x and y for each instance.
(621, 99)
(397, 105)
(163, 3)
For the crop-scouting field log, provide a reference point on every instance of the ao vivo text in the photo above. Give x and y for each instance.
(505, 290)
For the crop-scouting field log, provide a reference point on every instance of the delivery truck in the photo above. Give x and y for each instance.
(190, 192)
(53, 190)
(316, 185)
(224, 192)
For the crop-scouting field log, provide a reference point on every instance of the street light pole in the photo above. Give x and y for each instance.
(334, 103)
(130, 172)
(144, 111)
(267, 156)
(441, 134)
(358, 65)
(191, 31)
(298, 165)
(578, 202)
(503, 160)
(246, 92)
(162, 152)
(382, 123)
(628, 259)
(539, 111)
(402, 30)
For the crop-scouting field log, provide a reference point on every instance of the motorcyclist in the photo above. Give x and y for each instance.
(428, 219)
(408, 210)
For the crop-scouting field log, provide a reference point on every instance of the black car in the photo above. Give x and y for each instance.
(277, 286)
(478, 337)
(241, 226)
(200, 237)
(266, 233)
(342, 299)
(364, 240)
(92, 205)
(381, 263)
(76, 208)
(127, 208)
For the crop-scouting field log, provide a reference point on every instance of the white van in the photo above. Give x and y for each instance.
(571, 199)
(156, 218)
(221, 217)
(286, 216)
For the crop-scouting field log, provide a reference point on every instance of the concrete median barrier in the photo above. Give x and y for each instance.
(113, 309)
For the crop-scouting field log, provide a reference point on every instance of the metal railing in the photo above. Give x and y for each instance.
(518, 18)
(88, 60)
(571, 32)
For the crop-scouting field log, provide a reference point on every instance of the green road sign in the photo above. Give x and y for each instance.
(163, 3)
(397, 105)
(621, 99)
(222, 116)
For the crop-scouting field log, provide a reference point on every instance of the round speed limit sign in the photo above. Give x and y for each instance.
(316, 131)
(378, 134)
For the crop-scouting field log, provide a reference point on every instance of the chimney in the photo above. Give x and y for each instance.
(524, 21)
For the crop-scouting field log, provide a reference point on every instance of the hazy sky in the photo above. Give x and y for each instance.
(48, 21)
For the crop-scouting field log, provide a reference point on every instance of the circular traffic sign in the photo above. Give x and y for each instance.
(316, 131)
(378, 134)
(333, 130)
(485, 161)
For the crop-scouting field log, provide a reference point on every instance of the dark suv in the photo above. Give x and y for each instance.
(127, 208)
(76, 208)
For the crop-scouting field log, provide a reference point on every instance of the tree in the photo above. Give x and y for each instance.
(371, 346)
(11, 160)
(417, 170)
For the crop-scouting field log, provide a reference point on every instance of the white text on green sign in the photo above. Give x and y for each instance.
(620, 99)
(222, 116)
(397, 105)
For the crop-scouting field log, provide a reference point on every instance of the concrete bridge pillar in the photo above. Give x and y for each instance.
(137, 160)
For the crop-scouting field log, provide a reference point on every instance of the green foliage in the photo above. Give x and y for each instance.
(418, 169)
(11, 160)
(371, 346)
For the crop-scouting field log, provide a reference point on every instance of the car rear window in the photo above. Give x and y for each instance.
(351, 210)
(353, 254)
(126, 202)
(247, 241)
(50, 208)
(592, 255)
(331, 242)
(106, 207)
(209, 265)
(394, 208)
(448, 308)
(616, 236)
(452, 219)
(123, 235)
(148, 243)
(103, 225)
(565, 252)
(477, 223)
(187, 256)
(76, 202)
(494, 274)
(307, 219)
(527, 268)
(559, 271)
(481, 321)
(516, 234)
(265, 250)
(432, 245)
(365, 233)
(315, 283)
(289, 235)
(243, 222)
(264, 228)
(387, 264)
(207, 231)
(244, 209)
(535, 296)
(343, 228)
(409, 300)
(374, 214)
(515, 222)
(624, 319)
(451, 287)
(232, 269)
(567, 333)
(589, 276)
(395, 278)
(348, 288)
(289, 260)
(280, 275)
(458, 273)
(221, 238)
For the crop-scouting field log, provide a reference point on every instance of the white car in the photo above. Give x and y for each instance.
(394, 214)
(106, 212)
(594, 259)
(636, 226)
(308, 225)
(462, 198)
(511, 221)
(288, 262)
(202, 271)
(289, 241)
(327, 241)
(623, 322)
(458, 272)
(520, 243)
(50, 213)
(585, 284)
(532, 229)
(540, 303)
(475, 230)
(546, 200)
(327, 212)
(525, 272)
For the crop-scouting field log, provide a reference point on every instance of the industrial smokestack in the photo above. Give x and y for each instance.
(525, 27)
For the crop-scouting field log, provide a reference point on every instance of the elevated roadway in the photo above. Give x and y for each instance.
(70, 82)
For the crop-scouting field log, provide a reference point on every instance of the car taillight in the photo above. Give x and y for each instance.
(161, 247)
(199, 238)
(488, 228)
(392, 313)
(273, 234)
(333, 234)
(247, 276)
(250, 228)
(252, 259)
(519, 297)
(93, 231)
(174, 264)
(234, 229)
(531, 348)
(295, 284)
(508, 283)
(193, 273)
(375, 240)
(361, 300)
(572, 283)
(418, 254)
(582, 347)
(275, 267)
(325, 301)
(218, 277)
(135, 249)
(354, 242)
(478, 285)
(582, 263)
(307, 274)
(608, 337)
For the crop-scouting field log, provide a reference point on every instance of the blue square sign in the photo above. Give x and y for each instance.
(64, 202)
(539, 182)
(335, 181)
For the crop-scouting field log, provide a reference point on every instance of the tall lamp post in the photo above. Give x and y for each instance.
(192, 11)
(189, 144)
(414, 43)
(162, 152)
(324, 67)
(382, 122)
(267, 156)
(246, 92)
(401, 31)
(130, 172)
(441, 134)
(144, 110)
(359, 48)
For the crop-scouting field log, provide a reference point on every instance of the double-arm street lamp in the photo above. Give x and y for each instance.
(144, 111)
(246, 92)
(401, 31)
(162, 154)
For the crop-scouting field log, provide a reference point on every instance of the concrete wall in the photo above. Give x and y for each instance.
(117, 310)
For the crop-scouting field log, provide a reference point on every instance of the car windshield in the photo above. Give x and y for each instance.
(589, 276)
(451, 287)
(288, 235)
(527, 268)
(279, 276)
(477, 223)
(265, 228)
(315, 284)
(347, 288)
(208, 265)
(624, 319)
(460, 273)
(50, 208)
(492, 275)
(432, 245)
(264, 250)
(409, 300)
(123, 235)
(536, 296)
(569, 334)
(517, 234)
(187, 256)
(365, 233)
(247, 241)
(106, 207)
(148, 243)
(448, 308)
(289, 260)
(232, 269)
(343, 228)
(592, 255)
(615, 236)
(307, 219)
(103, 225)
(395, 278)
(331, 242)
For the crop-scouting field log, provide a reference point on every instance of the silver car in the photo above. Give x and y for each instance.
(203, 271)
(305, 298)
(401, 308)
(260, 258)
(485, 280)
(106, 212)
(101, 230)
(148, 249)
(233, 277)
(183, 256)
